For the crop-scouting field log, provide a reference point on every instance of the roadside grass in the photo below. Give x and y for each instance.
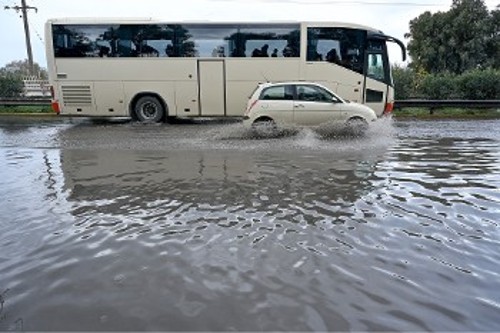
(41, 109)
(446, 113)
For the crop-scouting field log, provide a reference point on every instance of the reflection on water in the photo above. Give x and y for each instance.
(204, 227)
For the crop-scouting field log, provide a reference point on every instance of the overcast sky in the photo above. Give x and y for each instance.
(392, 17)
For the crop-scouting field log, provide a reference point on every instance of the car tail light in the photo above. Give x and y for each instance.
(250, 107)
(389, 107)
(55, 107)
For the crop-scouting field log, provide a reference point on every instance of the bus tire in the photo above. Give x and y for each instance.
(149, 109)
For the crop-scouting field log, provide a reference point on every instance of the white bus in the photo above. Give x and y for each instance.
(151, 70)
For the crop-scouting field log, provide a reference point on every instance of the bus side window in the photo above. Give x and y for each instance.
(265, 40)
(342, 46)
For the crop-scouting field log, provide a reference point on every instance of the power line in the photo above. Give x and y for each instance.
(37, 34)
(412, 4)
(370, 3)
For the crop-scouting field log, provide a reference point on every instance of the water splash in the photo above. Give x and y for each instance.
(328, 131)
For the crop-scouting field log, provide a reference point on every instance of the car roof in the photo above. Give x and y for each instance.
(280, 83)
(264, 85)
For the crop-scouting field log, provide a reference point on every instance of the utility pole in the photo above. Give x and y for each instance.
(24, 13)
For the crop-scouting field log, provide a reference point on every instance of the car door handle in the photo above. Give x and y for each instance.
(298, 105)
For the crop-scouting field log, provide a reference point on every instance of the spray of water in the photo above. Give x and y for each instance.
(330, 138)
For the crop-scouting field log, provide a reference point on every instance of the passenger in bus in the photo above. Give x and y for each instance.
(287, 51)
(218, 52)
(149, 51)
(239, 49)
(332, 56)
(275, 53)
(238, 53)
(317, 56)
(114, 46)
(103, 51)
(169, 51)
(263, 50)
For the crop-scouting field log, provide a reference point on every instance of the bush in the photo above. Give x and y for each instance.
(404, 82)
(479, 84)
(10, 85)
(439, 86)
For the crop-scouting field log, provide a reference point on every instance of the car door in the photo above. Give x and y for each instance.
(276, 102)
(314, 105)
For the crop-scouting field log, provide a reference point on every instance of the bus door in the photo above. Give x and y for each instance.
(376, 82)
(211, 87)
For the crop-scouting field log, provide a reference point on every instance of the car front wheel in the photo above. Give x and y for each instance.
(357, 126)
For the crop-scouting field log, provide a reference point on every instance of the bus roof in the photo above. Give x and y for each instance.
(150, 20)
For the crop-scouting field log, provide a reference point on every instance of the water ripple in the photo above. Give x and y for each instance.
(209, 229)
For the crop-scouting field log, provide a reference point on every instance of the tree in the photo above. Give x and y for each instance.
(403, 82)
(10, 85)
(11, 77)
(463, 38)
(493, 44)
(20, 68)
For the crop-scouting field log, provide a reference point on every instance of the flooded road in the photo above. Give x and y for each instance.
(115, 226)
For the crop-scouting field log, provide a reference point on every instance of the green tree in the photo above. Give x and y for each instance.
(21, 68)
(11, 77)
(479, 84)
(439, 86)
(461, 39)
(493, 43)
(404, 82)
(10, 85)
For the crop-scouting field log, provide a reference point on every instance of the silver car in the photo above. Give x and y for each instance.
(303, 104)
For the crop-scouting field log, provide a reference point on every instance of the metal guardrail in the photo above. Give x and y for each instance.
(409, 103)
(38, 101)
(437, 104)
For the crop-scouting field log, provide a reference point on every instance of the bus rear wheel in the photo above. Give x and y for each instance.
(149, 109)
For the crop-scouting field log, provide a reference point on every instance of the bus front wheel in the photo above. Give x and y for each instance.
(149, 109)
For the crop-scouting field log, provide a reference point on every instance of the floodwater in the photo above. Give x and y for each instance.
(116, 226)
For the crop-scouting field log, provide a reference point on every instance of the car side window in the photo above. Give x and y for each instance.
(277, 93)
(313, 94)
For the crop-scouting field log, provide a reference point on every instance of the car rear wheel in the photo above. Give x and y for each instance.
(265, 127)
